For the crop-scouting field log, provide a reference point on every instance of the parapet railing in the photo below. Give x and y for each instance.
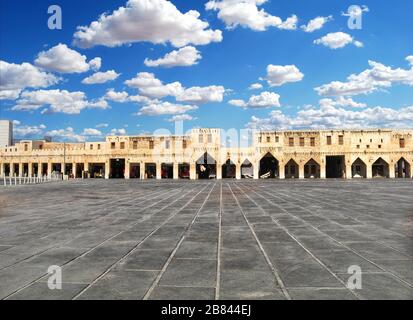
(26, 180)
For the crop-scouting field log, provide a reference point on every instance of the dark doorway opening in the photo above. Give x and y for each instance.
(358, 169)
(150, 171)
(69, 169)
(35, 168)
(229, 170)
(335, 167)
(167, 170)
(292, 170)
(403, 169)
(135, 171)
(117, 168)
(206, 167)
(7, 169)
(269, 167)
(79, 170)
(97, 170)
(247, 170)
(56, 167)
(25, 169)
(380, 169)
(184, 171)
(312, 170)
(45, 169)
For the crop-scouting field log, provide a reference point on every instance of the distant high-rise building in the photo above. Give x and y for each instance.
(6, 133)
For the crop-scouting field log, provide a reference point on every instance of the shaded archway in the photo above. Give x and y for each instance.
(247, 170)
(117, 168)
(335, 167)
(135, 171)
(184, 171)
(167, 170)
(380, 169)
(97, 170)
(312, 170)
(269, 167)
(403, 169)
(228, 170)
(292, 170)
(150, 170)
(206, 167)
(358, 169)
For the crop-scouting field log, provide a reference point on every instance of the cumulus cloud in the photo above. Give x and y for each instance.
(102, 125)
(330, 117)
(246, 13)
(24, 131)
(181, 117)
(410, 60)
(101, 77)
(16, 77)
(91, 132)
(279, 75)
(342, 102)
(165, 108)
(149, 86)
(123, 96)
(255, 86)
(377, 77)
(338, 40)
(263, 100)
(115, 132)
(155, 21)
(67, 134)
(95, 64)
(316, 24)
(65, 60)
(184, 57)
(57, 100)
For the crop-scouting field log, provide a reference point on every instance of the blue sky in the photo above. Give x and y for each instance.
(238, 48)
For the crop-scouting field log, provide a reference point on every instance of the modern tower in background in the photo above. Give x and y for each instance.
(6, 133)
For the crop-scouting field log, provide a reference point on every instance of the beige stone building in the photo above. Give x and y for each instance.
(201, 155)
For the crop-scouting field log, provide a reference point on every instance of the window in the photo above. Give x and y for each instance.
(91, 147)
(259, 139)
(268, 139)
(312, 141)
(340, 140)
(167, 144)
(277, 139)
(358, 146)
(368, 146)
(151, 144)
(99, 146)
(402, 143)
(135, 145)
(184, 144)
(329, 140)
(122, 145)
(113, 145)
(291, 142)
(201, 138)
(379, 146)
(26, 147)
(302, 142)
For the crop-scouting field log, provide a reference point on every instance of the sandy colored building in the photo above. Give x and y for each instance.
(201, 155)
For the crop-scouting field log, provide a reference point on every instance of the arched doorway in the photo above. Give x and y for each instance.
(358, 169)
(184, 171)
(117, 168)
(312, 170)
(403, 169)
(269, 167)
(380, 169)
(167, 170)
(206, 167)
(247, 170)
(292, 170)
(228, 170)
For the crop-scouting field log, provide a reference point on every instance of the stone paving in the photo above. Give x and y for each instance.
(207, 239)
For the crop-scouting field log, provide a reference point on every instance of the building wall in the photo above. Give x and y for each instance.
(6, 133)
(298, 154)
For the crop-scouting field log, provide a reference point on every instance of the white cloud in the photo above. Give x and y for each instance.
(155, 21)
(329, 117)
(67, 134)
(148, 85)
(316, 24)
(101, 77)
(263, 100)
(377, 77)
(342, 102)
(410, 60)
(102, 125)
(15, 77)
(338, 40)
(64, 60)
(112, 95)
(279, 75)
(356, 11)
(115, 132)
(184, 57)
(163, 108)
(255, 86)
(246, 13)
(91, 132)
(289, 24)
(9, 94)
(23, 131)
(95, 63)
(181, 117)
(58, 101)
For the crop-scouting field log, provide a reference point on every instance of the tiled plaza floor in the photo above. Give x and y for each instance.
(207, 240)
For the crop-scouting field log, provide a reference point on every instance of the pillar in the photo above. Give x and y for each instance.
(301, 174)
(176, 171)
(30, 172)
(127, 169)
(85, 167)
(219, 171)
(392, 170)
(348, 171)
(323, 170)
(256, 171)
(142, 170)
(158, 171)
(49, 168)
(40, 169)
(2, 167)
(192, 171)
(369, 171)
(20, 169)
(74, 165)
(238, 172)
(281, 171)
